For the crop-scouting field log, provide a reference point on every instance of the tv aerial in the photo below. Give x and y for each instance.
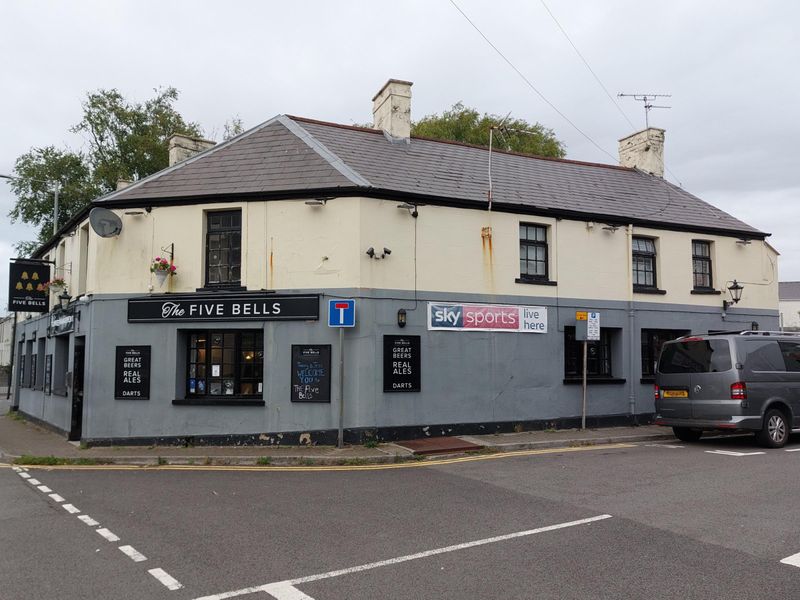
(648, 103)
(105, 223)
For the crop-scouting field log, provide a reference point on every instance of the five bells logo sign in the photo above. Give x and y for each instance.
(27, 290)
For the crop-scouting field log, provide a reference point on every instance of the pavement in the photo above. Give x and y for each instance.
(20, 439)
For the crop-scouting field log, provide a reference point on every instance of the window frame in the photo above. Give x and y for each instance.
(529, 243)
(571, 345)
(652, 256)
(706, 259)
(238, 377)
(228, 283)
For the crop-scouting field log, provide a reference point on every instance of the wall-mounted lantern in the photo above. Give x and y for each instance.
(735, 290)
(401, 318)
(63, 299)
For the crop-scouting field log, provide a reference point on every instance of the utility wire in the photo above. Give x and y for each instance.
(530, 85)
(586, 63)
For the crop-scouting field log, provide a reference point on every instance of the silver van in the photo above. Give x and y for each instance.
(748, 381)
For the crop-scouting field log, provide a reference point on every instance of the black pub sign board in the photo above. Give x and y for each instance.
(311, 373)
(26, 291)
(401, 363)
(132, 373)
(223, 307)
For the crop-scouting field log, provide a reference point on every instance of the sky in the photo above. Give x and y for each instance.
(731, 68)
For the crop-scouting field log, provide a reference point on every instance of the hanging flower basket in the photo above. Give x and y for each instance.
(161, 268)
(55, 284)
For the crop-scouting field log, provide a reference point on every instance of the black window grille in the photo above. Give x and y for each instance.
(224, 248)
(652, 341)
(598, 355)
(701, 265)
(225, 363)
(533, 251)
(644, 263)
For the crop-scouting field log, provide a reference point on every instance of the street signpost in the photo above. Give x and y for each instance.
(587, 329)
(341, 314)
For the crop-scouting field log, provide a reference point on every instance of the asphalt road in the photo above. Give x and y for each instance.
(646, 521)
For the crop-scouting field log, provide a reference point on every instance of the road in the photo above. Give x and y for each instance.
(707, 520)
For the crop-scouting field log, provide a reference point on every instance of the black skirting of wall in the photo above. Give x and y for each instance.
(43, 424)
(329, 437)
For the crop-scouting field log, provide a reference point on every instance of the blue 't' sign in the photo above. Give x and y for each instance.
(341, 313)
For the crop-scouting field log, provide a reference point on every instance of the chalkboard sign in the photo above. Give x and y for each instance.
(48, 374)
(311, 373)
(132, 381)
(401, 363)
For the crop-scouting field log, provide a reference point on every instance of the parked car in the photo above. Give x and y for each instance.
(748, 381)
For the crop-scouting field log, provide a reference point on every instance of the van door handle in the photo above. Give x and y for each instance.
(697, 389)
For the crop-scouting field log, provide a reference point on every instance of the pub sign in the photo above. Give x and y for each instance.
(223, 307)
(401, 363)
(26, 287)
(132, 373)
(311, 373)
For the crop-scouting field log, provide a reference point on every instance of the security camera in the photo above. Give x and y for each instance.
(386, 252)
(371, 252)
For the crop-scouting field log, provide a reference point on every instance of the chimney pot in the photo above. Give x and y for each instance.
(391, 109)
(182, 147)
(644, 150)
(123, 183)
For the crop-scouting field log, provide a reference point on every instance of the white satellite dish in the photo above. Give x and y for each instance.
(104, 222)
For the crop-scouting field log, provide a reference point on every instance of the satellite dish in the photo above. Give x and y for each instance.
(104, 222)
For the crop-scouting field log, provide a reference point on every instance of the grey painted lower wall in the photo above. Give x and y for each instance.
(467, 377)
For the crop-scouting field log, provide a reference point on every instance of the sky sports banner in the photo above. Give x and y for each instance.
(486, 317)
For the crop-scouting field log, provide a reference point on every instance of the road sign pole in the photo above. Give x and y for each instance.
(585, 373)
(341, 387)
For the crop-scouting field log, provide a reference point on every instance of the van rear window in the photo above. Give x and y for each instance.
(697, 356)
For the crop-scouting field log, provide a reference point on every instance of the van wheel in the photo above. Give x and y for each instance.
(686, 434)
(775, 432)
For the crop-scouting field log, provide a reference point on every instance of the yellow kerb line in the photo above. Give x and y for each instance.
(317, 468)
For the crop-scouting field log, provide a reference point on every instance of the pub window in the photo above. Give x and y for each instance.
(39, 375)
(225, 363)
(224, 248)
(644, 263)
(60, 365)
(598, 354)
(701, 265)
(532, 252)
(652, 341)
(20, 366)
(30, 365)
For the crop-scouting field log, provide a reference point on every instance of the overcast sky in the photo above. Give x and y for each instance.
(730, 66)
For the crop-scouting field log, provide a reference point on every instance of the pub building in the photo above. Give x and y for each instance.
(195, 304)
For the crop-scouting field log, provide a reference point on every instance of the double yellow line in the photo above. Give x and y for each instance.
(318, 468)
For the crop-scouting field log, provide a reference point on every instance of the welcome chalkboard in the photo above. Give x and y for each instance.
(132, 373)
(311, 373)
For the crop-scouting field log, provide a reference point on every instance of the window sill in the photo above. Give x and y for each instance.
(535, 281)
(222, 288)
(705, 292)
(647, 290)
(219, 401)
(594, 381)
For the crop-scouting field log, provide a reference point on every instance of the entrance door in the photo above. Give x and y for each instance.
(76, 425)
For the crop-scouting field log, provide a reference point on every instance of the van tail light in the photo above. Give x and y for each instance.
(656, 392)
(738, 391)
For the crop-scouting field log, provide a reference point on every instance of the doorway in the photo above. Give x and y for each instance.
(76, 424)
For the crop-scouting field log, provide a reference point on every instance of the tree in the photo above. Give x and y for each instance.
(126, 140)
(233, 127)
(464, 124)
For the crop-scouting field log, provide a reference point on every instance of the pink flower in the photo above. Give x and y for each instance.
(157, 259)
(172, 268)
(163, 261)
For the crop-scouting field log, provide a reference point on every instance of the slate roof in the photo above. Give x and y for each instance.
(789, 290)
(292, 154)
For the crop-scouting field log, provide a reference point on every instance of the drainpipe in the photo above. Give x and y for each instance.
(631, 331)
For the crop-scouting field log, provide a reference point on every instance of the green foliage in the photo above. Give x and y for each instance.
(464, 124)
(30, 460)
(263, 460)
(126, 140)
(233, 127)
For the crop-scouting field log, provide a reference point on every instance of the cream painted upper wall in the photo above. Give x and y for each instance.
(291, 245)
(790, 313)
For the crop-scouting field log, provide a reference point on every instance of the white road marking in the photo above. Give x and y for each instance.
(792, 450)
(24, 475)
(56, 498)
(731, 453)
(663, 446)
(17, 469)
(33, 481)
(793, 560)
(287, 587)
(133, 553)
(88, 520)
(103, 532)
(70, 509)
(45, 489)
(165, 578)
(285, 591)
